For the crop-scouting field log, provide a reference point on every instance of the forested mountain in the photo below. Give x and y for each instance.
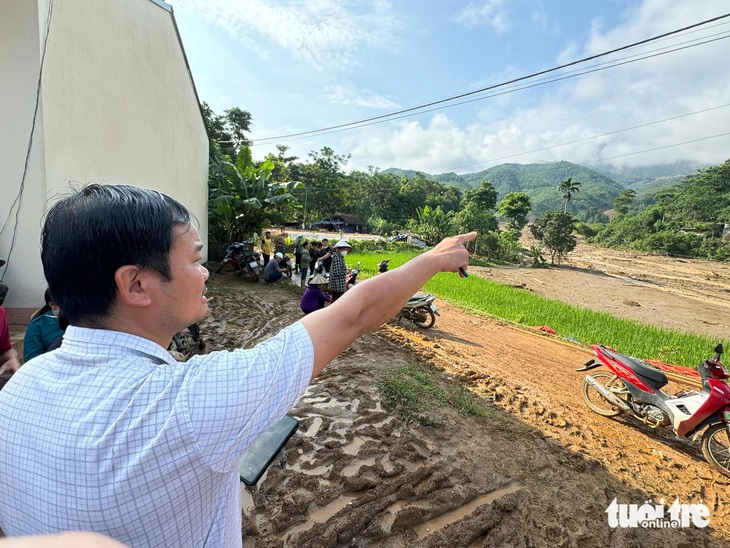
(688, 219)
(645, 178)
(540, 182)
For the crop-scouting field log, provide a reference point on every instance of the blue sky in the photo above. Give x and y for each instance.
(303, 65)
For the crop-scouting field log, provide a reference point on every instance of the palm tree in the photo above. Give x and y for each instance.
(568, 188)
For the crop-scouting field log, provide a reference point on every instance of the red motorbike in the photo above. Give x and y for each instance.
(244, 260)
(634, 388)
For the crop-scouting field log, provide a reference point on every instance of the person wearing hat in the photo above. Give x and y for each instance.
(314, 296)
(338, 270)
(273, 270)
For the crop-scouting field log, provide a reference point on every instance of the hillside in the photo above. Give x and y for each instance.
(600, 184)
(540, 182)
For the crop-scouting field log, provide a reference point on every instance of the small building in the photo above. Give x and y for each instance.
(342, 222)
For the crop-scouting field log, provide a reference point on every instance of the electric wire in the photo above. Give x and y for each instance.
(502, 84)
(18, 202)
(569, 75)
(500, 158)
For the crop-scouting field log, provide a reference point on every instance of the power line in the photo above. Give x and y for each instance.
(591, 137)
(657, 148)
(502, 84)
(18, 202)
(569, 75)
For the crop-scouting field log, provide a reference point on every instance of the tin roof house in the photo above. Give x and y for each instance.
(91, 92)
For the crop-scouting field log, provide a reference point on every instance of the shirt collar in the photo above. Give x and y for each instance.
(81, 338)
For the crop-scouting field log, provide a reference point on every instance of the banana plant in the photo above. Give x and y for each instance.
(242, 199)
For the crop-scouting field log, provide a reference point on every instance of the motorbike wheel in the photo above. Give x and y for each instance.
(595, 401)
(716, 447)
(181, 344)
(255, 278)
(430, 317)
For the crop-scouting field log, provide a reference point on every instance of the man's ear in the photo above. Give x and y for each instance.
(133, 285)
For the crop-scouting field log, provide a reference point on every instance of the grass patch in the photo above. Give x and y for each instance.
(417, 389)
(581, 325)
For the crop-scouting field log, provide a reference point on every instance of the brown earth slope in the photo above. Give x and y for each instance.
(539, 471)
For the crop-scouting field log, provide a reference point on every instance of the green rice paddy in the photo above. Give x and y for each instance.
(580, 325)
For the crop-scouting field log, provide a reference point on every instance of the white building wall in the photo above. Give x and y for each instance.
(20, 212)
(118, 107)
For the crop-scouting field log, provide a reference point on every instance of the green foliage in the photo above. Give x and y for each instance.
(587, 230)
(538, 261)
(567, 188)
(417, 388)
(241, 198)
(472, 217)
(687, 220)
(539, 181)
(226, 133)
(484, 197)
(555, 231)
(623, 201)
(509, 246)
(515, 206)
(434, 224)
(588, 326)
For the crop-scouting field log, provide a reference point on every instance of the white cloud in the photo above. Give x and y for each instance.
(490, 13)
(577, 109)
(324, 34)
(365, 98)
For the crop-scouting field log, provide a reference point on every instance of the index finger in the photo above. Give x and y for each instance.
(468, 237)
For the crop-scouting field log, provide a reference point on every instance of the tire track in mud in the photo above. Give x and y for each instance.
(534, 378)
(359, 475)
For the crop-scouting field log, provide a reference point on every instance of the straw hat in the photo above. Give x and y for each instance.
(318, 279)
(342, 244)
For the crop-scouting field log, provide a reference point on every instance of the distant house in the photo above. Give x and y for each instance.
(91, 92)
(342, 222)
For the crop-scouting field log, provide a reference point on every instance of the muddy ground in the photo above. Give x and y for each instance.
(539, 470)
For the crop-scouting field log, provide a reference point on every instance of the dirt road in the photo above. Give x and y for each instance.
(539, 471)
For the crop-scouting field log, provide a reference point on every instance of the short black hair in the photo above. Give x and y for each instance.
(89, 235)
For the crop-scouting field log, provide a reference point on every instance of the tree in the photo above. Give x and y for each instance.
(568, 188)
(485, 196)
(326, 188)
(555, 231)
(434, 224)
(226, 133)
(515, 206)
(242, 199)
(623, 201)
(472, 217)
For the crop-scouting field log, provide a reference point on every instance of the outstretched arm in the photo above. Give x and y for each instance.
(373, 302)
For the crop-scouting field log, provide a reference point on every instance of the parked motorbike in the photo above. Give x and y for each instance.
(633, 388)
(420, 309)
(351, 280)
(183, 343)
(244, 260)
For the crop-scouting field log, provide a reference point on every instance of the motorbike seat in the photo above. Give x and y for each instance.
(637, 367)
(419, 298)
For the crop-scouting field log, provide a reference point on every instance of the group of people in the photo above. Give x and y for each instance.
(323, 263)
(118, 437)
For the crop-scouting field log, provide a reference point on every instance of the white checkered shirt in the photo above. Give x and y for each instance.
(110, 434)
